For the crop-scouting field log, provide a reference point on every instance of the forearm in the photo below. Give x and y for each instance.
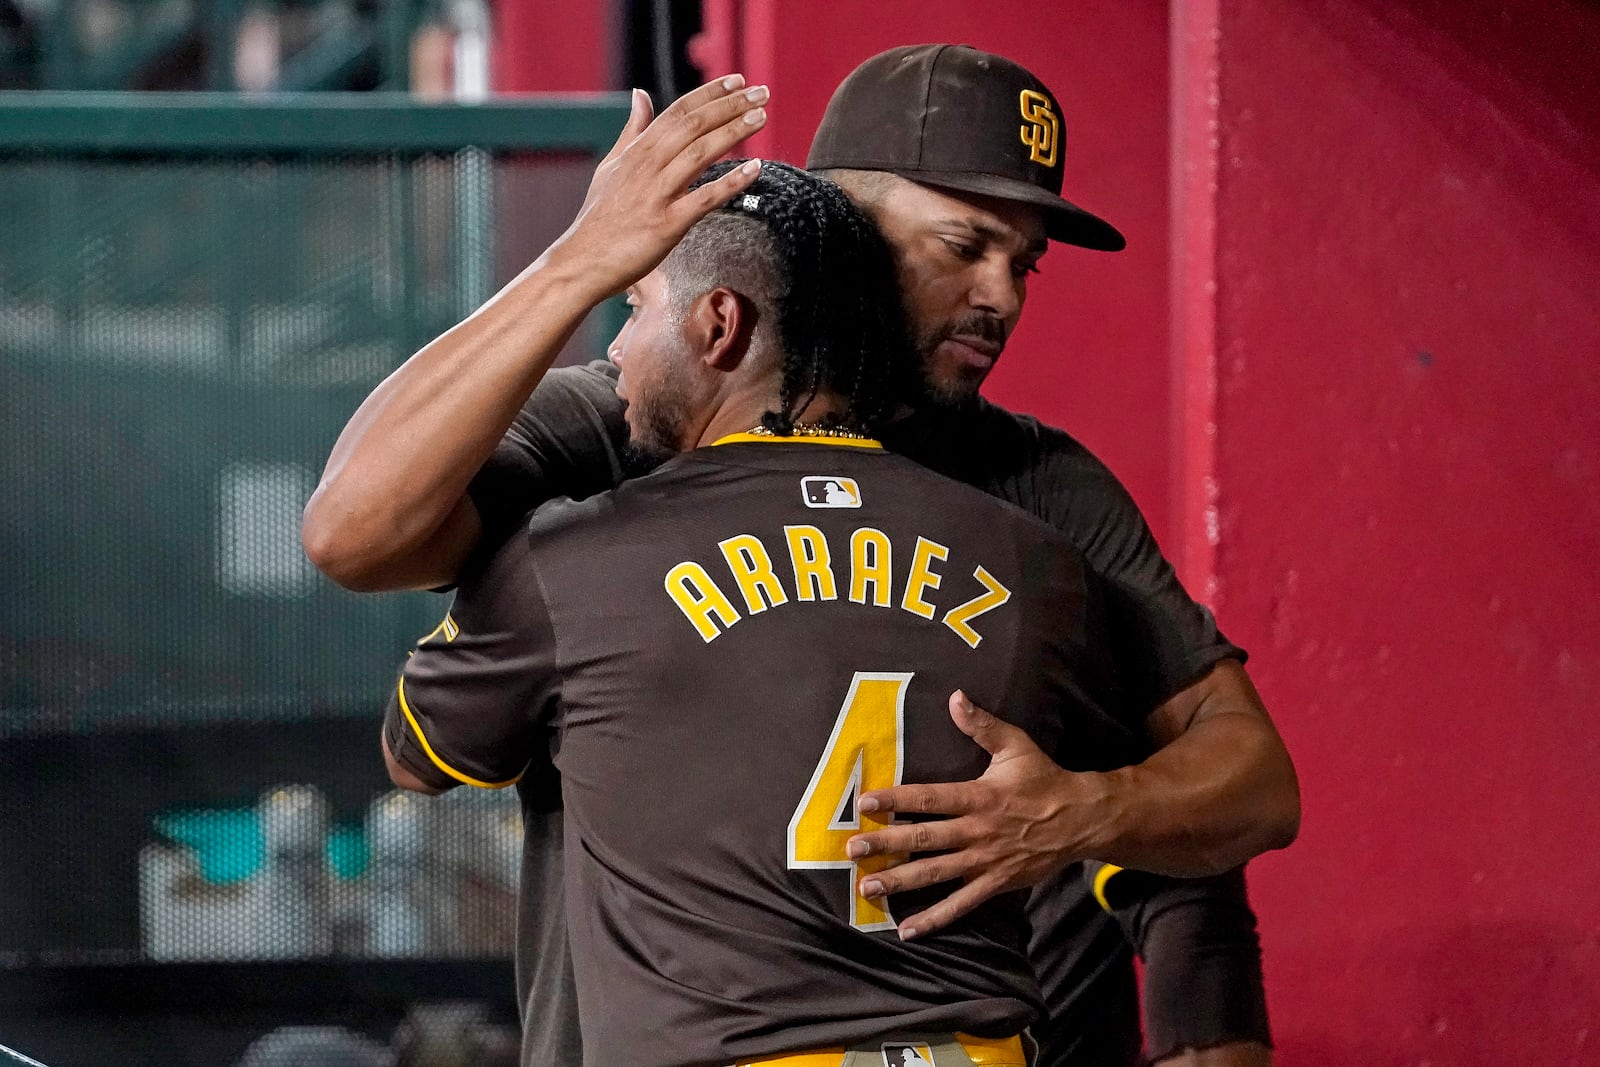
(1220, 790)
(396, 482)
(391, 509)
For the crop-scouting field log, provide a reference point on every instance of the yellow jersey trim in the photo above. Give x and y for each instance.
(447, 626)
(982, 1051)
(827, 1057)
(405, 709)
(819, 439)
(1101, 877)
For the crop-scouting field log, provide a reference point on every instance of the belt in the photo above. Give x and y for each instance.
(946, 1050)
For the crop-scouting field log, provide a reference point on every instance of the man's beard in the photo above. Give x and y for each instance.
(948, 395)
(961, 392)
(661, 417)
(640, 459)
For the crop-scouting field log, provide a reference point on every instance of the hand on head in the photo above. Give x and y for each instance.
(639, 203)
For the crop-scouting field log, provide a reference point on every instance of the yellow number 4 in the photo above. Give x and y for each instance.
(865, 752)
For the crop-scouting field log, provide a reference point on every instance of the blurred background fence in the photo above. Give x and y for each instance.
(195, 293)
(216, 45)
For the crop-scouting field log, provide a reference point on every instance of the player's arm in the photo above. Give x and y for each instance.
(392, 509)
(475, 702)
(569, 440)
(1203, 995)
(1026, 818)
(1219, 789)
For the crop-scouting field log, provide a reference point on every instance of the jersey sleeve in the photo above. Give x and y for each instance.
(476, 702)
(1203, 984)
(1161, 640)
(566, 441)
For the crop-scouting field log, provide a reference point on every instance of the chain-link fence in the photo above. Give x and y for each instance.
(195, 293)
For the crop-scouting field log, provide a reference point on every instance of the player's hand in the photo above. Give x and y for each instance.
(639, 204)
(1010, 828)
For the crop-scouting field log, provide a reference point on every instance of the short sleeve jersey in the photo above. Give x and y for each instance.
(1157, 639)
(728, 650)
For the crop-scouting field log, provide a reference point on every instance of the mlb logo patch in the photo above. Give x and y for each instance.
(821, 492)
(907, 1056)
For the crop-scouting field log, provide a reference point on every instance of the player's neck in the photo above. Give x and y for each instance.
(739, 413)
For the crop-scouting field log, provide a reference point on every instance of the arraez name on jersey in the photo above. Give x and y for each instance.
(868, 579)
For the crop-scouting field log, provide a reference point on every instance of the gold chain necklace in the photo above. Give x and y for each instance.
(810, 429)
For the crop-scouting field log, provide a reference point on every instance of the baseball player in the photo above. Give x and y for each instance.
(934, 142)
(750, 637)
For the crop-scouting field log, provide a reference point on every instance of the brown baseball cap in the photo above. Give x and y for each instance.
(950, 116)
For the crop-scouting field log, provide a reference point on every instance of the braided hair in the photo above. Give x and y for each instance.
(795, 245)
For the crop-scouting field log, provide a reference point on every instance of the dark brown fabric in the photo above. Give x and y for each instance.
(683, 760)
(1157, 638)
(1203, 982)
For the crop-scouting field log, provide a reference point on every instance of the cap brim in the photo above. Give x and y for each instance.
(1064, 221)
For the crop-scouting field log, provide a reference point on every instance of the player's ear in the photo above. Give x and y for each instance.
(719, 324)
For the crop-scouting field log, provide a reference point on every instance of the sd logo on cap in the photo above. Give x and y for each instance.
(946, 115)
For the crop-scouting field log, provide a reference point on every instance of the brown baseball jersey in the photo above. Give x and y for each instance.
(722, 655)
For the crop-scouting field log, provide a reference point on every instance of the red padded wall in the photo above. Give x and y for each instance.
(1408, 481)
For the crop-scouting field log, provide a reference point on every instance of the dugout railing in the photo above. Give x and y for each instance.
(195, 293)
